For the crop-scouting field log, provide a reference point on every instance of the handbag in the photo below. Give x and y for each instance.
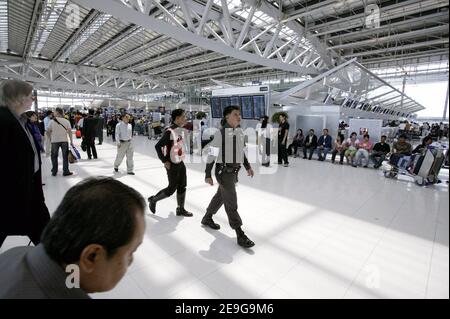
(71, 158)
(75, 152)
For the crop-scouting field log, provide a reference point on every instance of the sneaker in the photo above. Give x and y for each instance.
(244, 241)
(131, 173)
(286, 165)
(208, 222)
(53, 174)
(68, 174)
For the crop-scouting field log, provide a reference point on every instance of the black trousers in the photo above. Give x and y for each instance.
(226, 195)
(295, 145)
(282, 153)
(311, 151)
(177, 179)
(90, 144)
(334, 153)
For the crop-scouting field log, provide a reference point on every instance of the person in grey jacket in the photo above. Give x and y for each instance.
(85, 248)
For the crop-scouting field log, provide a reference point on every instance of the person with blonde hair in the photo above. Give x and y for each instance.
(23, 212)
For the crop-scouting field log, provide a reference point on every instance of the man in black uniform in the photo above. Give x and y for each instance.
(283, 132)
(170, 149)
(89, 132)
(228, 147)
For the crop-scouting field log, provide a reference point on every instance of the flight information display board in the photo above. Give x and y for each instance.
(246, 107)
(216, 110)
(253, 107)
(259, 106)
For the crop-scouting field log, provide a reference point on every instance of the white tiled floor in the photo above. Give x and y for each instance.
(321, 231)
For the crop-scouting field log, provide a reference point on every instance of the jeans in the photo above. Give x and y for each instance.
(362, 154)
(325, 152)
(377, 159)
(65, 154)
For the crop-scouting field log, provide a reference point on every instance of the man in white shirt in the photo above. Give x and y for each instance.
(48, 145)
(59, 128)
(124, 134)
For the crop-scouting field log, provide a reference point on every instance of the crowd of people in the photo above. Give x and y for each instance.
(100, 239)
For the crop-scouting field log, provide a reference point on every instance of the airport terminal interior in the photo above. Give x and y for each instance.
(341, 225)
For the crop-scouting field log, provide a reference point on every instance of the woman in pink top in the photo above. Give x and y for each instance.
(364, 148)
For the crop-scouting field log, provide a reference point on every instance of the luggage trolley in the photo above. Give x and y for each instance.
(422, 168)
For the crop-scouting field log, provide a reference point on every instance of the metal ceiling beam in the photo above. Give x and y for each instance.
(125, 35)
(392, 38)
(37, 11)
(319, 47)
(383, 81)
(72, 86)
(392, 27)
(386, 13)
(283, 95)
(139, 49)
(399, 48)
(132, 16)
(94, 14)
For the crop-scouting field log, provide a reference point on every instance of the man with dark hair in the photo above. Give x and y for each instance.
(310, 144)
(283, 134)
(124, 135)
(324, 145)
(100, 125)
(89, 132)
(229, 137)
(95, 242)
(171, 151)
(379, 152)
(48, 143)
(59, 128)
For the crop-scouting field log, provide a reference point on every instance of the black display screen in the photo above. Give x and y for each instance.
(247, 107)
(216, 110)
(259, 106)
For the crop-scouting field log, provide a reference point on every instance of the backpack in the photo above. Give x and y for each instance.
(177, 152)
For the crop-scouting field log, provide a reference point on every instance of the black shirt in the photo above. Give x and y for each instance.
(382, 148)
(282, 130)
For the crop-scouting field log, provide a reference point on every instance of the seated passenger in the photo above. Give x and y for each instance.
(338, 148)
(324, 145)
(351, 147)
(86, 247)
(401, 152)
(379, 152)
(296, 143)
(363, 151)
(310, 144)
(421, 148)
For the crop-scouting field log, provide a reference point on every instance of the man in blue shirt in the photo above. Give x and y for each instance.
(324, 145)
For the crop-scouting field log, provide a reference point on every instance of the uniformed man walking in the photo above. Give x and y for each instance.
(171, 151)
(227, 148)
